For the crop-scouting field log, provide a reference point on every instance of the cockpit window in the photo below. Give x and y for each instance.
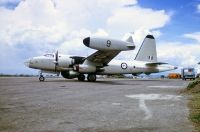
(49, 55)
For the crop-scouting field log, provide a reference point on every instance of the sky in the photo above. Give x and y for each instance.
(34, 27)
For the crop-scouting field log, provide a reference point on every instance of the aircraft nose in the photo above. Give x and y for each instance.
(86, 41)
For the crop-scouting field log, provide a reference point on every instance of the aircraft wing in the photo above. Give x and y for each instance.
(155, 63)
(102, 58)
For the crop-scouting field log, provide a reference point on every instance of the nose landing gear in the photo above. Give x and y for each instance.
(41, 78)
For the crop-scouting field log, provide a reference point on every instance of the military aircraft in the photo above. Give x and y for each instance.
(101, 62)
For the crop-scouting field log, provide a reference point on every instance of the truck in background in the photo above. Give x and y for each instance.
(188, 73)
(198, 70)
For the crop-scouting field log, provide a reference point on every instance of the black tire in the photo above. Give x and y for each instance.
(81, 77)
(91, 78)
(41, 78)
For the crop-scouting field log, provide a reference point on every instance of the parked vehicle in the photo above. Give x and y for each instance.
(174, 76)
(188, 73)
(198, 71)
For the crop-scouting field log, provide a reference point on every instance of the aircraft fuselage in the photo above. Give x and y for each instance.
(47, 63)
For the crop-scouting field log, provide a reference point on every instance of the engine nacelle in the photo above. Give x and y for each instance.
(69, 74)
(85, 68)
(108, 44)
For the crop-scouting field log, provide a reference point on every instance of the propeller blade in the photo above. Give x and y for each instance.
(56, 60)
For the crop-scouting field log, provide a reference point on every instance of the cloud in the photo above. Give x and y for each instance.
(194, 36)
(50, 21)
(101, 33)
(9, 4)
(179, 54)
(32, 20)
(9, 1)
(198, 8)
(138, 37)
(176, 53)
(117, 2)
(74, 45)
(34, 27)
(136, 17)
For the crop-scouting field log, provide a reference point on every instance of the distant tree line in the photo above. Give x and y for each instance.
(116, 76)
(16, 75)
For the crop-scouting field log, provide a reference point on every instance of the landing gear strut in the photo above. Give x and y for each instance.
(91, 78)
(81, 77)
(41, 78)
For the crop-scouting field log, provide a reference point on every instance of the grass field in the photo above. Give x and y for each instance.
(193, 89)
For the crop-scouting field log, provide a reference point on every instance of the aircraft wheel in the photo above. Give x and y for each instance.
(81, 77)
(41, 78)
(91, 77)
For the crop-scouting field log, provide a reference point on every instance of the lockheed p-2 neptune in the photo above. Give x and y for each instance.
(101, 62)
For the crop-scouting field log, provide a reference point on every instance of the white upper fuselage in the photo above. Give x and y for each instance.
(47, 63)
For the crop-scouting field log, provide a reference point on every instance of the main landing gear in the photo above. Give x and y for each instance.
(41, 78)
(81, 77)
(91, 77)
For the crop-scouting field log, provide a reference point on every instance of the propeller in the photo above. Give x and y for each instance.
(56, 60)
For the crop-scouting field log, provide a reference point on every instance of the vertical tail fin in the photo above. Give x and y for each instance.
(147, 51)
(129, 39)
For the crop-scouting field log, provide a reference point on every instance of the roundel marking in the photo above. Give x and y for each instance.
(108, 43)
(124, 66)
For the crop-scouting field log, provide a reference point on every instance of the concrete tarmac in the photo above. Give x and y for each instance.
(108, 105)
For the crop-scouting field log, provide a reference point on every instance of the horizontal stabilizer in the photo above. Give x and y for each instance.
(155, 63)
